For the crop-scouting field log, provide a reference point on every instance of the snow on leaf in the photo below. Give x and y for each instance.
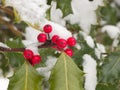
(89, 67)
(65, 6)
(34, 15)
(84, 13)
(112, 31)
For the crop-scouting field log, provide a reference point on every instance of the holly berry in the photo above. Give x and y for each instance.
(47, 28)
(42, 37)
(55, 38)
(28, 54)
(61, 43)
(35, 60)
(69, 52)
(71, 41)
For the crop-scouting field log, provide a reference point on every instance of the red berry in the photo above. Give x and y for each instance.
(35, 60)
(69, 52)
(47, 28)
(61, 43)
(42, 37)
(28, 54)
(55, 38)
(71, 41)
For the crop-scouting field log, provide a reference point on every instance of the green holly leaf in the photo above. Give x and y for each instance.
(109, 14)
(49, 2)
(64, 73)
(85, 49)
(65, 6)
(110, 70)
(105, 86)
(15, 43)
(15, 59)
(26, 78)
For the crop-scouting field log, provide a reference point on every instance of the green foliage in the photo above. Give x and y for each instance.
(109, 14)
(85, 49)
(110, 70)
(4, 64)
(15, 43)
(106, 87)
(64, 73)
(26, 78)
(15, 59)
(65, 7)
(72, 27)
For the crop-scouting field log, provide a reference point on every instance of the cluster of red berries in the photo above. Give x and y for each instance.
(59, 43)
(33, 59)
(57, 40)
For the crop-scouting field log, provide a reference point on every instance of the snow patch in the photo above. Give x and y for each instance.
(84, 13)
(45, 71)
(100, 49)
(4, 83)
(89, 67)
(112, 31)
(3, 45)
(56, 14)
(90, 41)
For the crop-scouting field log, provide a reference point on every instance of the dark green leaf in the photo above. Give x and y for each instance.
(64, 73)
(15, 43)
(110, 70)
(49, 2)
(72, 27)
(109, 14)
(26, 78)
(15, 59)
(65, 6)
(106, 86)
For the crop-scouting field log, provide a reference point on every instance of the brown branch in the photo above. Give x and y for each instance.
(4, 49)
(11, 27)
(7, 10)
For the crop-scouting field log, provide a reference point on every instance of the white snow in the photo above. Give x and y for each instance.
(117, 2)
(112, 31)
(100, 49)
(89, 67)
(4, 83)
(46, 71)
(31, 34)
(56, 14)
(3, 45)
(84, 13)
(115, 42)
(90, 41)
(57, 29)
(34, 14)
(31, 11)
